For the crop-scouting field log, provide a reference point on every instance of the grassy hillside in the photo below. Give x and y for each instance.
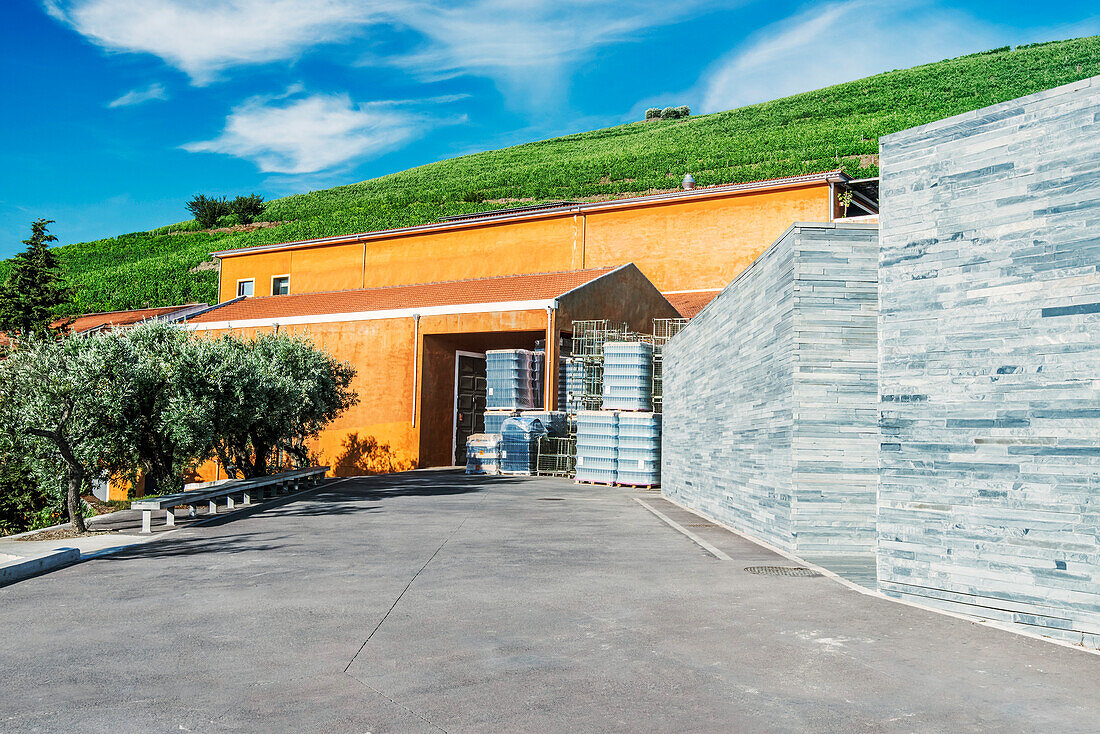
(836, 127)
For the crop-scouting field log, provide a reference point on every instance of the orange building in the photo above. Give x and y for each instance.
(408, 343)
(685, 241)
(412, 309)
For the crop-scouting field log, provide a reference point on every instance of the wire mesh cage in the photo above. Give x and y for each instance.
(658, 378)
(589, 336)
(557, 457)
(665, 329)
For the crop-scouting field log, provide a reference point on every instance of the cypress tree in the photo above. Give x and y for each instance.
(35, 290)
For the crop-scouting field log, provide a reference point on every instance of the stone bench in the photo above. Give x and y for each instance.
(246, 489)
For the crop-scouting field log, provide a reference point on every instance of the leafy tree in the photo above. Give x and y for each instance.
(157, 400)
(273, 392)
(167, 434)
(320, 388)
(675, 113)
(32, 296)
(248, 208)
(207, 209)
(62, 396)
(653, 113)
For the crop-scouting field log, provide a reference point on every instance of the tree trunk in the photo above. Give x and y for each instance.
(152, 485)
(76, 483)
(222, 454)
(259, 464)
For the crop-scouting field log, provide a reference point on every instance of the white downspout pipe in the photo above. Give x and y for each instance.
(551, 349)
(416, 361)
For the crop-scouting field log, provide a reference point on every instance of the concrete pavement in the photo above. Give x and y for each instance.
(431, 601)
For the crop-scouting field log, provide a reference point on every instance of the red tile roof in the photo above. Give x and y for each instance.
(89, 321)
(535, 286)
(689, 304)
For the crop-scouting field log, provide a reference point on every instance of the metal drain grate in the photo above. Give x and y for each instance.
(551, 499)
(700, 525)
(781, 571)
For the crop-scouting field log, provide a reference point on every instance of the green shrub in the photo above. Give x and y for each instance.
(207, 210)
(669, 113)
(653, 113)
(247, 208)
(683, 111)
(22, 503)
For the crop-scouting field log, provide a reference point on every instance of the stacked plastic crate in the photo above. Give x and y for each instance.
(563, 387)
(621, 444)
(509, 375)
(483, 454)
(638, 449)
(628, 376)
(574, 385)
(538, 378)
(554, 421)
(519, 445)
(597, 446)
(494, 419)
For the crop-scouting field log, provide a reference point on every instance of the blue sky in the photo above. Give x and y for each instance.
(117, 111)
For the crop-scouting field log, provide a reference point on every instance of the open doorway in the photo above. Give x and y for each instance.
(469, 404)
(438, 419)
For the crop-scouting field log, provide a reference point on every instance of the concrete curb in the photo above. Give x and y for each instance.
(25, 568)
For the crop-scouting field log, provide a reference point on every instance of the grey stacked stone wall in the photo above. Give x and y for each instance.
(989, 500)
(770, 396)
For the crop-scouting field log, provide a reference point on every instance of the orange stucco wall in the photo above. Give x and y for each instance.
(681, 244)
(701, 243)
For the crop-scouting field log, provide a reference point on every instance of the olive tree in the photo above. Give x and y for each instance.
(157, 400)
(166, 432)
(272, 392)
(320, 389)
(62, 397)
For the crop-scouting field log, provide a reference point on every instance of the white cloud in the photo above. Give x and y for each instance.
(138, 96)
(204, 37)
(530, 45)
(526, 45)
(310, 134)
(839, 42)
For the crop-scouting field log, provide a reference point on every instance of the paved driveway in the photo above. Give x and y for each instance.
(431, 601)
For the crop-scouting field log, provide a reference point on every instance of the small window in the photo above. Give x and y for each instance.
(246, 287)
(280, 285)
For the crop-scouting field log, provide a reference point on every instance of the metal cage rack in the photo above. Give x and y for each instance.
(557, 457)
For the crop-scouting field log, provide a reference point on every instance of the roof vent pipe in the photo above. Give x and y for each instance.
(688, 182)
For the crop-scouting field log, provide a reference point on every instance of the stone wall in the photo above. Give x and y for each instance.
(989, 498)
(770, 396)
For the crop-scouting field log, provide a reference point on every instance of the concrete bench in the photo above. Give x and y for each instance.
(247, 489)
